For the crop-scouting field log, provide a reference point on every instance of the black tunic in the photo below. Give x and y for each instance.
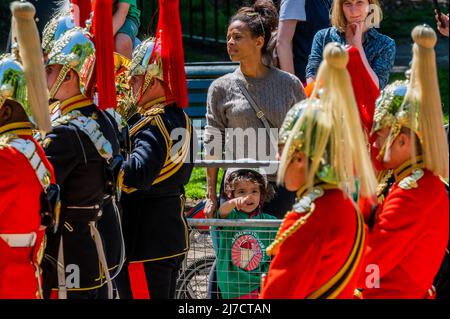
(153, 200)
(80, 172)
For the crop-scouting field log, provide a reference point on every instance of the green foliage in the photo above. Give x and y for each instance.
(443, 87)
(196, 189)
(197, 184)
(398, 22)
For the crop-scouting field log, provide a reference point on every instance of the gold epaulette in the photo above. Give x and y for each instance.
(154, 111)
(5, 140)
(28, 149)
(410, 181)
(148, 117)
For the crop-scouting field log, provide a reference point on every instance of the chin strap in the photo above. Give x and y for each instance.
(59, 80)
(384, 152)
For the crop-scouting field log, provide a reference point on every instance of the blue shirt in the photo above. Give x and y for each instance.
(379, 49)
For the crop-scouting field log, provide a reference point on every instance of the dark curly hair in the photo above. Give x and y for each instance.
(246, 175)
(261, 19)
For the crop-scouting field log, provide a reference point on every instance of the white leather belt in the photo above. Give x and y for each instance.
(19, 240)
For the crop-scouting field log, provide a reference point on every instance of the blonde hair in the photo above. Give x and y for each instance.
(424, 88)
(338, 19)
(24, 28)
(331, 128)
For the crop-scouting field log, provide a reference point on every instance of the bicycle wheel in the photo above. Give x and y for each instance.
(193, 282)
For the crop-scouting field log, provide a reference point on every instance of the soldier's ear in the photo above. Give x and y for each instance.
(403, 139)
(152, 82)
(67, 77)
(6, 112)
(70, 76)
(299, 158)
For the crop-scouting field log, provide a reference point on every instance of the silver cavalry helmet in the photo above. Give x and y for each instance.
(74, 50)
(147, 59)
(54, 30)
(147, 62)
(12, 82)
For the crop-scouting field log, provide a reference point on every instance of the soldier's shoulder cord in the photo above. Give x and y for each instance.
(148, 117)
(91, 128)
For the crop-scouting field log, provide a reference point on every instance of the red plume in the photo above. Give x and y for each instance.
(169, 35)
(366, 94)
(84, 7)
(104, 54)
(366, 91)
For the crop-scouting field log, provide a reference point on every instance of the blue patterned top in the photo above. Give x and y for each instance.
(379, 49)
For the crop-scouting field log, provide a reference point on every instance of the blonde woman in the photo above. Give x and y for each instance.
(353, 23)
(319, 245)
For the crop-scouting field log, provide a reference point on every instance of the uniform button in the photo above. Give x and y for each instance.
(36, 19)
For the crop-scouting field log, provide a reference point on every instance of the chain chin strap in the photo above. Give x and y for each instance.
(395, 131)
(135, 98)
(138, 96)
(59, 80)
(147, 79)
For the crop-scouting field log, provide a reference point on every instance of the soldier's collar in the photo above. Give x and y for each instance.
(407, 168)
(75, 102)
(19, 128)
(54, 107)
(159, 102)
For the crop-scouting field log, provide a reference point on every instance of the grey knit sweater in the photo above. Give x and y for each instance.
(227, 107)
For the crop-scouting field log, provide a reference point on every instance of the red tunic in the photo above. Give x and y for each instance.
(20, 192)
(408, 240)
(315, 253)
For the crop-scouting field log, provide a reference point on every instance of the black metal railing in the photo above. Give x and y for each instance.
(205, 20)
